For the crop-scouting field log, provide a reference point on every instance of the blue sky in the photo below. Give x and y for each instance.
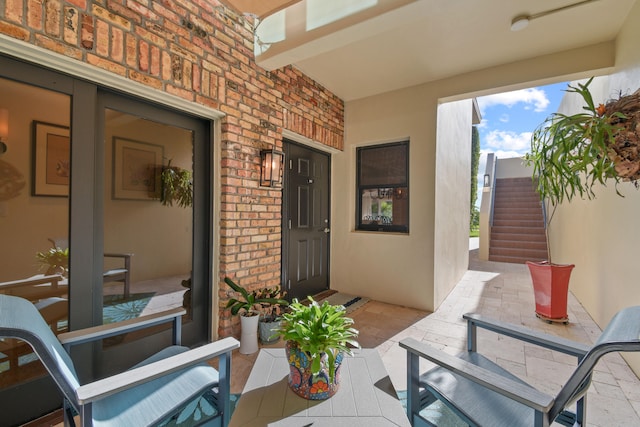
(509, 119)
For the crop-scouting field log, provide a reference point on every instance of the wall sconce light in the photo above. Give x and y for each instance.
(271, 168)
(486, 180)
(4, 129)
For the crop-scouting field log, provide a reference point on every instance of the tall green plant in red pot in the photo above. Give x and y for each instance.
(570, 154)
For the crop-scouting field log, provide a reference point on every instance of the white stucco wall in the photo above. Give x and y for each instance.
(600, 236)
(397, 268)
(452, 204)
(513, 167)
(390, 267)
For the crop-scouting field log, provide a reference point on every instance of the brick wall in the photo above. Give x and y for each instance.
(202, 52)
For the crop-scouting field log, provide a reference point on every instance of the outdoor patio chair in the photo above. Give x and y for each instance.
(482, 393)
(120, 273)
(152, 391)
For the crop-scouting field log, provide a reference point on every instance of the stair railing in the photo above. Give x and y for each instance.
(493, 192)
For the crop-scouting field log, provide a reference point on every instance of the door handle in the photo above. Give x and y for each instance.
(326, 230)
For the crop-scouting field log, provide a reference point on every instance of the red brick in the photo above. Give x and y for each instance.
(52, 16)
(117, 44)
(14, 31)
(34, 14)
(13, 10)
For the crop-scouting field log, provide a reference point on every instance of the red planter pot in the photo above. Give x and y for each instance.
(551, 287)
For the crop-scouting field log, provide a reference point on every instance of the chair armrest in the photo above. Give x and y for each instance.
(107, 386)
(41, 280)
(116, 255)
(105, 331)
(513, 390)
(551, 342)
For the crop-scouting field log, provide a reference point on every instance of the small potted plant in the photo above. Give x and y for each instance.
(270, 319)
(56, 260)
(248, 305)
(177, 186)
(570, 154)
(317, 338)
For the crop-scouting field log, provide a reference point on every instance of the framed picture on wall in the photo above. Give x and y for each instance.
(136, 169)
(50, 160)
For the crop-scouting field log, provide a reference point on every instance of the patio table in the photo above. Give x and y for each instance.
(366, 396)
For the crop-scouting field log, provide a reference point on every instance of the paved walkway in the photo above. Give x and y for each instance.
(502, 291)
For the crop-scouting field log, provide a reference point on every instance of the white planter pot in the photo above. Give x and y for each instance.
(249, 334)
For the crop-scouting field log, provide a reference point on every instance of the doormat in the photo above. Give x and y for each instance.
(437, 413)
(350, 302)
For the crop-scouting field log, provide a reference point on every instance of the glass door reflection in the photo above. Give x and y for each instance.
(34, 214)
(148, 217)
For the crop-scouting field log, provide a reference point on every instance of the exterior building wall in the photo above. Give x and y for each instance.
(599, 236)
(203, 53)
(452, 204)
(396, 268)
(512, 168)
(370, 264)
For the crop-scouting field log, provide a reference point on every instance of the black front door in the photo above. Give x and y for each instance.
(306, 222)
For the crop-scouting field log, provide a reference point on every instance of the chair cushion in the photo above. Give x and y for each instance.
(479, 404)
(164, 396)
(152, 402)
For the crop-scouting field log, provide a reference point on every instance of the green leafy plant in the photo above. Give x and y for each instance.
(572, 153)
(319, 329)
(569, 153)
(55, 259)
(271, 303)
(177, 186)
(252, 303)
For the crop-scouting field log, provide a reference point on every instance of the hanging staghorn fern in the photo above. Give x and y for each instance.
(571, 153)
(177, 186)
(624, 151)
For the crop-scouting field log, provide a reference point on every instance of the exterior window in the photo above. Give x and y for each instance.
(383, 187)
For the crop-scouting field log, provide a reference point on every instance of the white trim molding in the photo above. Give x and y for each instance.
(296, 137)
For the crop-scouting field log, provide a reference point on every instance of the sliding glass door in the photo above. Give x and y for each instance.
(155, 209)
(105, 215)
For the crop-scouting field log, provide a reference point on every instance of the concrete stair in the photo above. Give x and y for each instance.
(517, 234)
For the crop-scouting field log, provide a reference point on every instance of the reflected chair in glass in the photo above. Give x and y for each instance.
(118, 274)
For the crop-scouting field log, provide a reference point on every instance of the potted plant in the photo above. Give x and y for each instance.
(248, 305)
(317, 338)
(56, 260)
(270, 318)
(570, 154)
(177, 186)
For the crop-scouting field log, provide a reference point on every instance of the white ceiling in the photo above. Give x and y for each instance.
(392, 44)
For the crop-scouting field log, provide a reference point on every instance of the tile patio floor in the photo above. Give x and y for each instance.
(502, 291)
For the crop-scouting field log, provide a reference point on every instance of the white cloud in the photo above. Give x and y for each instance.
(532, 98)
(500, 140)
(483, 124)
(504, 118)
